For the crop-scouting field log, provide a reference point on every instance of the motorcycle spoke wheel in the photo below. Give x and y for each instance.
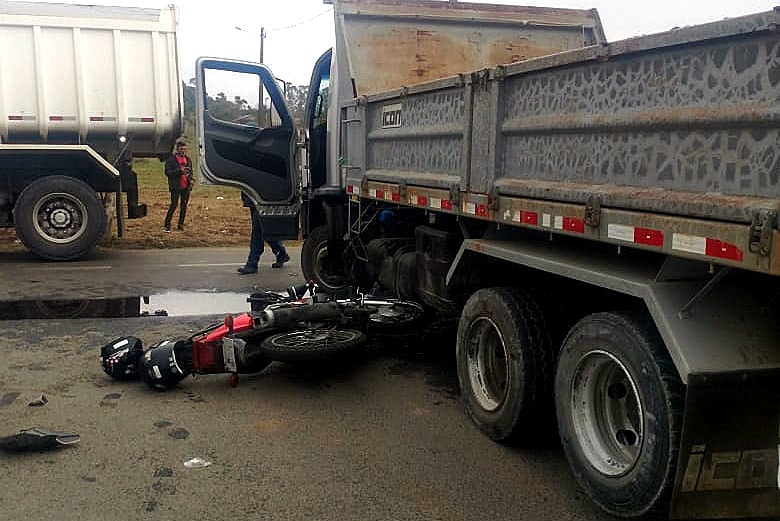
(311, 344)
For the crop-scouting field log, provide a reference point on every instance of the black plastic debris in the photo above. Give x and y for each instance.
(37, 439)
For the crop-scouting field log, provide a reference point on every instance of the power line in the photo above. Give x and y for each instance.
(301, 23)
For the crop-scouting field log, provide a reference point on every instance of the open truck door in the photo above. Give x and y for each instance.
(246, 139)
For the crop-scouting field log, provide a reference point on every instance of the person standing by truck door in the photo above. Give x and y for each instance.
(256, 243)
(178, 170)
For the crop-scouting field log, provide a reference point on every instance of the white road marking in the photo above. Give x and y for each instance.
(206, 265)
(72, 268)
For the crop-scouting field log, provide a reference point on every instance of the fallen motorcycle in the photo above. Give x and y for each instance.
(303, 325)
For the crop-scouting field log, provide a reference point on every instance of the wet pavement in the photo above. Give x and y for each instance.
(166, 304)
(380, 436)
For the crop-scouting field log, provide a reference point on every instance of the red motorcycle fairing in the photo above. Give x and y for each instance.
(207, 353)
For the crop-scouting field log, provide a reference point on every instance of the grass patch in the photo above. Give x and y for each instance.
(215, 215)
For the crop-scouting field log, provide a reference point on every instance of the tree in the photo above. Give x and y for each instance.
(296, 100)
(188, 98)
(238, 110)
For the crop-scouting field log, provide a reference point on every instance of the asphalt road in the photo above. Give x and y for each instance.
(379, 437)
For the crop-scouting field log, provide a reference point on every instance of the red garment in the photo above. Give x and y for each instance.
(184, 182)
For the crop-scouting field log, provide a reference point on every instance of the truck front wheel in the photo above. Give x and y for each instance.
(505, 359)
(59, 218)
(619, 403)
(317, 266)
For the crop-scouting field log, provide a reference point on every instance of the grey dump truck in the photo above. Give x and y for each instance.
(602, 218)
(83, 90)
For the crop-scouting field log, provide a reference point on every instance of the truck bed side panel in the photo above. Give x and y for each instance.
(666, 142)
(672, 124)
(700, 118)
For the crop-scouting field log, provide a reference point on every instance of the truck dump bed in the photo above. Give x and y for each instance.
(392, 43)
(666, 142)
(78, 74)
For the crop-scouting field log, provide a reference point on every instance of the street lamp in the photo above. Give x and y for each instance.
(262, 39)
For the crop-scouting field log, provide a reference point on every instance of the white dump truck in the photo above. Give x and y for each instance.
(602, 218)
(83, 90)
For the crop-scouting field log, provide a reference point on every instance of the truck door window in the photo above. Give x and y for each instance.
(318, 126)
(321, 107)
(239, 98)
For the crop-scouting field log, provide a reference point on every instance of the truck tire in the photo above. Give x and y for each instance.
(505, 360)
(59, 218)
(619, 403)
(314, 263)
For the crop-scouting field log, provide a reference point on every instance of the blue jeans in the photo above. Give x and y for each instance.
(256, 242)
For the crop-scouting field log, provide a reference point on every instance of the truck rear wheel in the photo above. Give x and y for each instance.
(619, 404)
(505, 364)
(316, 265)
(59, 218)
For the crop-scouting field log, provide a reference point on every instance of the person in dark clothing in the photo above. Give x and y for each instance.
(256, 243)
(178, 170)
(129, 181)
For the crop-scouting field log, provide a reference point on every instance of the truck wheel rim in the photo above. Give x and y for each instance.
(321, 273)
(60, 218)
(487, 364)
(607, 413)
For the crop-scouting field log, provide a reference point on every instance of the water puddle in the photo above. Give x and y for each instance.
(171, 304)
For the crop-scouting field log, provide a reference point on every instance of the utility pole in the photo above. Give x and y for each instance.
(262, 43)
(262, 39)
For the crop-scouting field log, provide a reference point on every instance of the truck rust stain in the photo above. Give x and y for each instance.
(510, 51)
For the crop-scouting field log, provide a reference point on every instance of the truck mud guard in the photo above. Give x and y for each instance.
(728, 460)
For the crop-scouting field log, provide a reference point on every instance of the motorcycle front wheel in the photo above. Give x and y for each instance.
(304, 345)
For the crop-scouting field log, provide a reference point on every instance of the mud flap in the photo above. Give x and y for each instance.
(728, 462)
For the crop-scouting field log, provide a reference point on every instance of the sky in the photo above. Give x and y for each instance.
(299, 31)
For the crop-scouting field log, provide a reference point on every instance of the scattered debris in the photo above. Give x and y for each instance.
(36, 439)
(39, 402)
(196, 463)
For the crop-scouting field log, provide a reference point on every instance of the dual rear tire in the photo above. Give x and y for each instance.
(613, 388)
(59, 218)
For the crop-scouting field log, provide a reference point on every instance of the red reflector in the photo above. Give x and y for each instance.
(56, 118)
(147, 120)
(573, 224)
(396, 197)
(482, 210)
(529, 218)
(350, 189)
(649, 237)
(95, 118)
(446, 204)
(15, 118)
(723, 250)
(422, 201)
